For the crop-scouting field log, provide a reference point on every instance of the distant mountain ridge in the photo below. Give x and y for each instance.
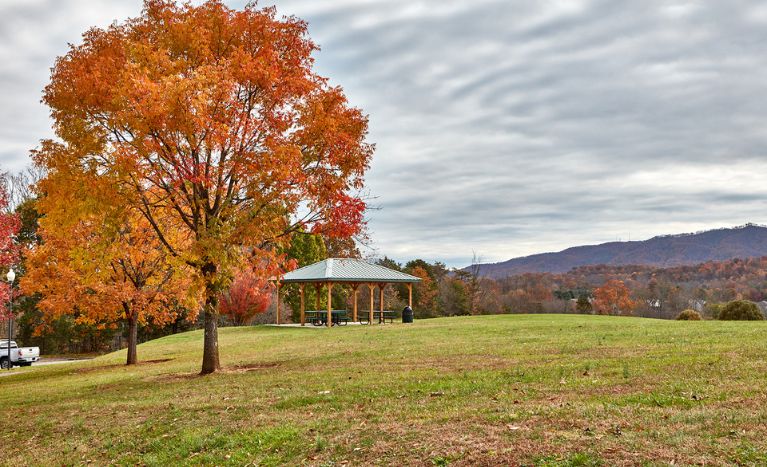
(745, 241)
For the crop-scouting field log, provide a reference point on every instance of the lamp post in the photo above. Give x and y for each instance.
(10, 276)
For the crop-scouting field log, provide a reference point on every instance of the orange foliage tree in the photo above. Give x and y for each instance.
(212, 123)
(101, 262)
(613, 298)
(248, 295)
(424, 293)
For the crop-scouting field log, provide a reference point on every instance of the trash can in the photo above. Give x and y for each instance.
(407, 315)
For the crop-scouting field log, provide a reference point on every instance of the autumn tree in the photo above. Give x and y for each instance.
(103, 265)
(214, 126)
(424, 293)
(248, 295)
(99, 259)
(341, 247)
(9, 250)
(613, 298)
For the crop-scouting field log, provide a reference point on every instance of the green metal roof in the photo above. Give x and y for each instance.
(346, 270)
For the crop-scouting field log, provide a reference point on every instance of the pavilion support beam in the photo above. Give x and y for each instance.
(278, 303)
(410, 295)
(354, 309)
(381, 301)
(330, 304)
(303, 314)
(372, 289)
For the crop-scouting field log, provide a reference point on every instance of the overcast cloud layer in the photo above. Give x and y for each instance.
(503, 127)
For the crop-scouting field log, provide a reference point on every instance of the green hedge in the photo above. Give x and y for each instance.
(741, 310)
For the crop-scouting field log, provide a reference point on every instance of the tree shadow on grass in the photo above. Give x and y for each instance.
(236, 369)
(91, 369)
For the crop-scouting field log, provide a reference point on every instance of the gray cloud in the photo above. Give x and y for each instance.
(505, 127)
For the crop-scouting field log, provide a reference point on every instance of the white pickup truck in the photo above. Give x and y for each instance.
(20, 356)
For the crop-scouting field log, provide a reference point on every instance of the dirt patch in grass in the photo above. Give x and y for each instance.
(159, 360)
(244, 368)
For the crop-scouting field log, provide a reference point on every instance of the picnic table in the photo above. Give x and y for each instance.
(320, 317)
(380, 316)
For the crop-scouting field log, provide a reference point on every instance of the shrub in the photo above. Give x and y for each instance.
(688, 315)
(713, 309)
(741, 310)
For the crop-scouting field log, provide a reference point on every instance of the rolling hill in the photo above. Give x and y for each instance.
(545, 390)
(745, 241)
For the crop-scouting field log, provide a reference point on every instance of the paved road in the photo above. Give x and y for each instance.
(42, 362)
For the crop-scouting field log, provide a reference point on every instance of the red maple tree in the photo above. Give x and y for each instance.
(248, 296)
(9, 250)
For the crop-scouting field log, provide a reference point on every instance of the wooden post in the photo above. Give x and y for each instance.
(410, 295)
(372, 298)
(330, 303)
(278, 303)
(303, 315)
(381, 298)
(354, 313)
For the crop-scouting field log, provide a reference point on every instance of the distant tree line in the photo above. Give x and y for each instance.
(635, 289)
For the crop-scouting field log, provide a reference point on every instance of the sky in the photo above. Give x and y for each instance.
(503, 128)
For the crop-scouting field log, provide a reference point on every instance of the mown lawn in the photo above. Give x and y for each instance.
(513, 389)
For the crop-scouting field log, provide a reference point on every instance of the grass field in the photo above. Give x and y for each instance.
(513, 389)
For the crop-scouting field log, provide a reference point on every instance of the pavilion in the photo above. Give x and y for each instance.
(353, 272)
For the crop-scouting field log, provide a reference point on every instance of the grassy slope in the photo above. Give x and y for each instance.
(496, 389)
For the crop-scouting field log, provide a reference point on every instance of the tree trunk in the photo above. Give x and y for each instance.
(132, 339)
(210, 361)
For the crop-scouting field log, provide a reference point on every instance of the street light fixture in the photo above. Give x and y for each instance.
(11, 276)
